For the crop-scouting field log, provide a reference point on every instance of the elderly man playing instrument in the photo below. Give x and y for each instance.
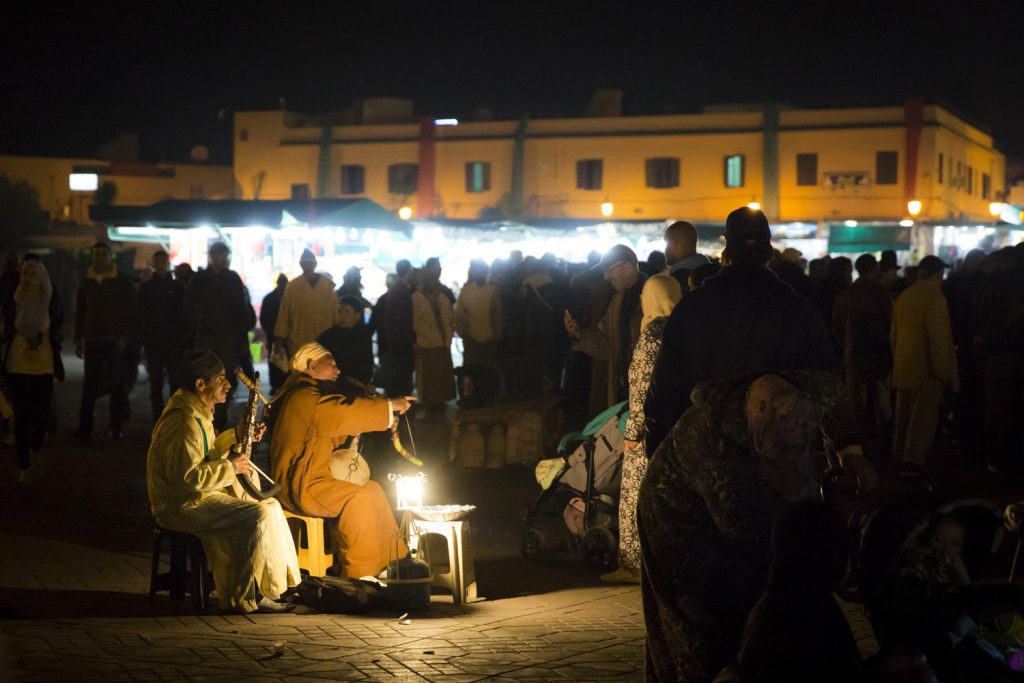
(189, 471)
(307, 427)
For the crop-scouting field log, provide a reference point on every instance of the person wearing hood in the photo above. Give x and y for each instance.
(351, 344)
(189, 469)
(32, 339)
(661, 294)
(307, 426)
(352, 285)
(308, 306)
(105, 324)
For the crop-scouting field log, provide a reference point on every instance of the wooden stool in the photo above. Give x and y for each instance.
(188, 572)
(313, 544)
(460, 578)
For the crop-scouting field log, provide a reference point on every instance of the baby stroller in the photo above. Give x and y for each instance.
(919, 593)
(578, 506)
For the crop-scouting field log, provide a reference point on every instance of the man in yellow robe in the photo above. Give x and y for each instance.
(307, 426)
(189, 469)
(308, 307)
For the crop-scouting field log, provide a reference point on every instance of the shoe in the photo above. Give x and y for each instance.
(25, 476)
(622, 575)
(268, 606)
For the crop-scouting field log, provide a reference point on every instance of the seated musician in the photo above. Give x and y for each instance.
(308, 424)
(189, 473)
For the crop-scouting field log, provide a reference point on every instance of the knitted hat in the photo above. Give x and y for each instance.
(198, 365)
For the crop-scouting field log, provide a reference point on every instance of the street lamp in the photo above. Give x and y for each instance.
(607, 208)
(405, 213)
(914, 207)
(756, 206)
(995, 208)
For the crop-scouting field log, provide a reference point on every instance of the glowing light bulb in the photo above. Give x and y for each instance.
(405, 213)
(607, 208)
(914, 207)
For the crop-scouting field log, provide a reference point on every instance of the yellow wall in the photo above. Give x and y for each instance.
(844, 139)
(49, 176)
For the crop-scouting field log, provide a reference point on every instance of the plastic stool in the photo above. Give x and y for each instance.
(313, 544)
(188, 573)
(460, 578)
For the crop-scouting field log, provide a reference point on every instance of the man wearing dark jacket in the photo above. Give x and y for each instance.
(269, 311)
(219, 316)
(861, 320)
(161, 299)
(398, 358)
(741, 322)
(105, 324)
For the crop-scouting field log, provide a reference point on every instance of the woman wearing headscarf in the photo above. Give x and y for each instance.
(740, 454)
(33, 359)
(660, 295)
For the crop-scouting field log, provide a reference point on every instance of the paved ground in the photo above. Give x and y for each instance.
(74, 571)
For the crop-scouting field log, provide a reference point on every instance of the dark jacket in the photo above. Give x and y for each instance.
(161, 303)
(106, 308)
(269, 310)
(396, 321)
(217, 304)
(743, 321)
(352, 350)
(861, 321)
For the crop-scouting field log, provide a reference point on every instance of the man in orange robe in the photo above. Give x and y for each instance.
(306, 427)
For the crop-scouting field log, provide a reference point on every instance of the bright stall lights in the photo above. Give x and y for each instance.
(914, 207)
(446, 122)
(405, 213)
(995, 208)
(607, 208)
(906, 223)
(850, 223)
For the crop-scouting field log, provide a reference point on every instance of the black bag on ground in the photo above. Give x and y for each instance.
(333, 594)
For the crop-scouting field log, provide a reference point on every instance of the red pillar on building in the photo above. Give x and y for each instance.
(913, 119)
(425, 182)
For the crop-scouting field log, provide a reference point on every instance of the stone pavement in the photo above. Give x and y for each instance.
(74, 573)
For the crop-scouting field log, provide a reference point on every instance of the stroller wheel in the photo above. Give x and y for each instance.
(531, 544)
(600, 548)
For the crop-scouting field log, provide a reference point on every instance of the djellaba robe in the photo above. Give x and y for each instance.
(306, 311)
(247, 542)
(307, 425)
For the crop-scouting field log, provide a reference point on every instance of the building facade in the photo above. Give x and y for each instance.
(135, 183)
(799, 165)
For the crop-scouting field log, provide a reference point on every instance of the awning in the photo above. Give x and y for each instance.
(238, 213)
(867, 238)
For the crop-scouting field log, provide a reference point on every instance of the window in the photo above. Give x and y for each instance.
(959, 177)
(478, 176)
(662, 172)
(589, 174)
(734, 170)
(243, 135)
(986, 186)
(300, 191)
(886, 170)
(806, 169)
(353, 179)
(939, 177)
(970, 180)
(402, 178)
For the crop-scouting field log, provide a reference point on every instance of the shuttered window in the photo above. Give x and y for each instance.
(806, 169)
(886, 171)
(353, 179)
(478, 176)
(589, 174)
(402, 178)
(662, 172)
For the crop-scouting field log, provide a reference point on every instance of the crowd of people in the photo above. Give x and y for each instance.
(733, 368)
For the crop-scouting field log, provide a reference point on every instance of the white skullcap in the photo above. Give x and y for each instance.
(306, 355)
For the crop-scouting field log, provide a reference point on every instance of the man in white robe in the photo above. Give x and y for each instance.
(309, 306)
(189, 472)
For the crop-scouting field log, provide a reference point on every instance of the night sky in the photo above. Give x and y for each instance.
(73, 76)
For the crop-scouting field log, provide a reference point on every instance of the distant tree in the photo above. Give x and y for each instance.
(105, 193)
(20, 212)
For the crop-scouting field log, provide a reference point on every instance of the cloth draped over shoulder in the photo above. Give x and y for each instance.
(709, 499)
(247, 542)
